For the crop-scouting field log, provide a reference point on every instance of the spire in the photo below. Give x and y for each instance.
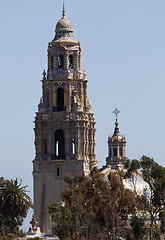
(63, 11)
(116, 131)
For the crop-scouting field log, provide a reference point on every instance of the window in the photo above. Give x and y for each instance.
(45, 146)
(59, 144)
(115, 152)
(73, 146)
(60, 62)
(120, 151)
(60, 99)
(70, 61)
(110, 152)
(57, 154)
(58, 172)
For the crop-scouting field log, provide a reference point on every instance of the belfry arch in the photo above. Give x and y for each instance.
(59, 144)
(60, 62)
(70, 61)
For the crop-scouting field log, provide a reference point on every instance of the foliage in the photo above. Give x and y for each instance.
(90, 209)
(8, 236)
(154, 175)
(14, 204)
(138, 227)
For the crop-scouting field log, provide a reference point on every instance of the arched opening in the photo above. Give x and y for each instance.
(110, 152)
(60, 62)
(71, 61)
(120, 151)
(52, 64)
(45, 147)
(73, 147)
(115, 152)
(60, 99)
(59, 144)
(58, 172)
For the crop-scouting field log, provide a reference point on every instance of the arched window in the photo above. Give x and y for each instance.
(60, 99)
(59, 144)
(73, 146)
(120, 151)
(58, 172)
(52, 64)
(115, 152)
(60, 62)
(70, 61)
(45, 147)
(110, 152)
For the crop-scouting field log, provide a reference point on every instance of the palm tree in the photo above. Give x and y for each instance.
(14, 202)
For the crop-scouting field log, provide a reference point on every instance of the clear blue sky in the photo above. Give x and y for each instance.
(123, 53)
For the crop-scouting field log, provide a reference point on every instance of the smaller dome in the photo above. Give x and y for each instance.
(64, 25)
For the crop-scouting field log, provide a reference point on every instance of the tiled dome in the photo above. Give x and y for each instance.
(64, 30)
(135, 184)
(64, 25)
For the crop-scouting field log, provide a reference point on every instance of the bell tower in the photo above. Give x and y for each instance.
(64, 124)
(116, 147)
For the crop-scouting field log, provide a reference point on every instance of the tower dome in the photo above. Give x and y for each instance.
(64, 25)
(64, 29)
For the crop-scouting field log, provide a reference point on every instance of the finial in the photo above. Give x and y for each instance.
(116, 112)
(33, 221)
(63, 11)
(44, 75)
(84, 75)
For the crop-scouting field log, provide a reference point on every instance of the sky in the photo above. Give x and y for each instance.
(123, 53)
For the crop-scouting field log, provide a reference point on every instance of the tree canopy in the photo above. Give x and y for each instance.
(14, 204)
(92, 208)
(153, 207)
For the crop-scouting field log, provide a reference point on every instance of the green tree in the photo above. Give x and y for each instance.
(154, 175)
(138, 227)
(91, 209)
(14, 202)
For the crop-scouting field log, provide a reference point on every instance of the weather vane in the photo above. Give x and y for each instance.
(116, 112)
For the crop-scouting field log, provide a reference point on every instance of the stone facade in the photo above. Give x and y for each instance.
(64, 124)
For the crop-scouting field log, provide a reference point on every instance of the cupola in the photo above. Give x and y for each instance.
(64, 29)
(116, 147)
